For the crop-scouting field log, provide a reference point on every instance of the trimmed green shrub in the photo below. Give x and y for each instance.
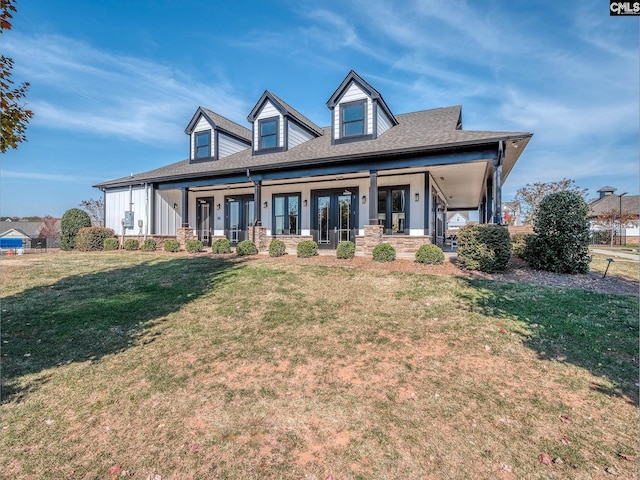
(430, 254)
(221, 245)
(560, 242)
(111, 244)
(149, 245)
(72, 221)
(91, 239)
(384, 253)
(277, 248)
(484, 247)
(246, 247)
(131, 244)
(306, 249)
(171, 246)
(193, 245)
(346, 250)
(519, 244)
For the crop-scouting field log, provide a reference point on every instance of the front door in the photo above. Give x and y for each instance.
(204, 220)
(335, 218)
(239, 214)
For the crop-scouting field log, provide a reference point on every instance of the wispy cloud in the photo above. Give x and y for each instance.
(16, 175)
(110, 94)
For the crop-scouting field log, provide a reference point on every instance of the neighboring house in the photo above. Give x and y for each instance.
(18, 234)
(511, 214)
(606, 210)
(456, 220)
(370, 174)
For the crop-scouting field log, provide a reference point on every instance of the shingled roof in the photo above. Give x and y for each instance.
(611, 203)
(221, 122)
(288, 110)
(422, 132)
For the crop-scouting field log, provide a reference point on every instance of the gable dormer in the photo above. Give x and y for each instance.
(277, 127)
(358, 111)
(212, 136)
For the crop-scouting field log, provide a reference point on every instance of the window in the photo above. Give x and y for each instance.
(268, 133)
(286, 214)
(393, 213)
(203, 144)
(353, 120)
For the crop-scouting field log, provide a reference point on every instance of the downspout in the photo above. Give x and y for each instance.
(497, 184)
(146, 210)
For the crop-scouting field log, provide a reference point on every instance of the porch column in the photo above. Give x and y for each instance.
(373, 197)
(257, 202)
(489, 210)
(427, 204)
(152, 209)
(497, 192)
(185, 207)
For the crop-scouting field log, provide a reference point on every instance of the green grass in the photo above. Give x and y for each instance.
(202, 367)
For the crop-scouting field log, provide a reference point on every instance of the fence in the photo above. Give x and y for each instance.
(604, 237)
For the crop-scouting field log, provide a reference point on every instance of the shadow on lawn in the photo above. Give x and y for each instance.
(594, 331)
(85, 317)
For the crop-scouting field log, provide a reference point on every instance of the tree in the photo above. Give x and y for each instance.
(12, 107)
(560, 242)
(95, 209)
(72, 221)
(531, 196)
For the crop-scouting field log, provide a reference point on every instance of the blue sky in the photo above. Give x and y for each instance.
(114, 83)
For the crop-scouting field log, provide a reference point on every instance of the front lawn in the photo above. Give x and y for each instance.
(196, 367)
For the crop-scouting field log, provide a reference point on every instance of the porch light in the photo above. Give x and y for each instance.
(364, 199)
(304, 202)
(218, 207)
(264, 205)
(417, 197)
(175, 205)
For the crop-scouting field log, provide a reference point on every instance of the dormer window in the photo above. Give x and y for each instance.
(353, 118)
(203, 144)
(268, 133)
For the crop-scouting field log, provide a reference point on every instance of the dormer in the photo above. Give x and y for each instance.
(277, 127)
(358, 111)
(212, 136)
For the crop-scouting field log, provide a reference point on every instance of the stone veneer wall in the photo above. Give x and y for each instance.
(183, 234)
(406, 243)
(258, 235)
(291, 241)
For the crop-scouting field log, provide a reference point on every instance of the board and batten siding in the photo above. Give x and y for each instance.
(268, 111)
(297, 135)
(121, 200)
(201, 126)
(167, 218)
(352, 94)
(228, 145)
(384, 123)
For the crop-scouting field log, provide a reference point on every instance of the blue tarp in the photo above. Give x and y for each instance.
(10, 243)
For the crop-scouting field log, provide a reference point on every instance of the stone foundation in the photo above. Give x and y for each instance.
(291, 241)
(183, 234)
(258, 235)
(372, 238)
(406, 243)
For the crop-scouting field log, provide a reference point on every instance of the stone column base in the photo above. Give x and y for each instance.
(258, 235)
(183, 234)
(372, 238)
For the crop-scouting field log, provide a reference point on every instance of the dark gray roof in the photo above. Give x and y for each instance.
(30, 229)
(607, 188)
(417, 132)
(286, 110)
(611, 203)
(219, 121)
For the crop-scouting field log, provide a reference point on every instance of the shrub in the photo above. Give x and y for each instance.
(221, 245)
(519, 244)
(431, 254)
(111, 244)
(277, 248)
(384, 253)
(131, 244)
(149, 245)
(246, 247)
(171, 246)
(561, 235)
(484, 247)
(306, 249)
(346, 250)
(193, 245)
(72, 221)
(91, 239)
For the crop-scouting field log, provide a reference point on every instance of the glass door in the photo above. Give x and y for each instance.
(233, 221)
(204, 221)
(334, 217)
(324, 221)
(239, 215)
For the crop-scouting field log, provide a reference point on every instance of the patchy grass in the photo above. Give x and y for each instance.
(621, 267)
(204, 367)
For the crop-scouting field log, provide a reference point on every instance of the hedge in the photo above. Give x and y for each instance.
(384, 253)
(221, 245)
(277, 248)
(149, 245)
(306, 249)
(346, 250)
(484, 247)
(171, 246)
(91, 239)
(131, 244)
(246, 247)
(111, 244)
(72, 221)
(193, 245)
(430, 254)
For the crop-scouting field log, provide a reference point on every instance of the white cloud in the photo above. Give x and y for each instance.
(110, 94)
(5, 174)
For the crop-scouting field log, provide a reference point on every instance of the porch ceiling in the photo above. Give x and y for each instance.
(462, 185)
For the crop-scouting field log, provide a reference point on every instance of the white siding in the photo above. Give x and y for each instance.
(352, 94)
(228, 145)
(168, 219)
(119, 201)
(297, 135)
(384, 123)
(201, 126)
(268, 111)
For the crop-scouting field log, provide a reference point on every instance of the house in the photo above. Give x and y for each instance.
(511, 214)
(606, 211)
(368, 176)
(456, 220)
(18, 234)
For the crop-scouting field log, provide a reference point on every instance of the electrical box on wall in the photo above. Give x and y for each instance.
(128, 220)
